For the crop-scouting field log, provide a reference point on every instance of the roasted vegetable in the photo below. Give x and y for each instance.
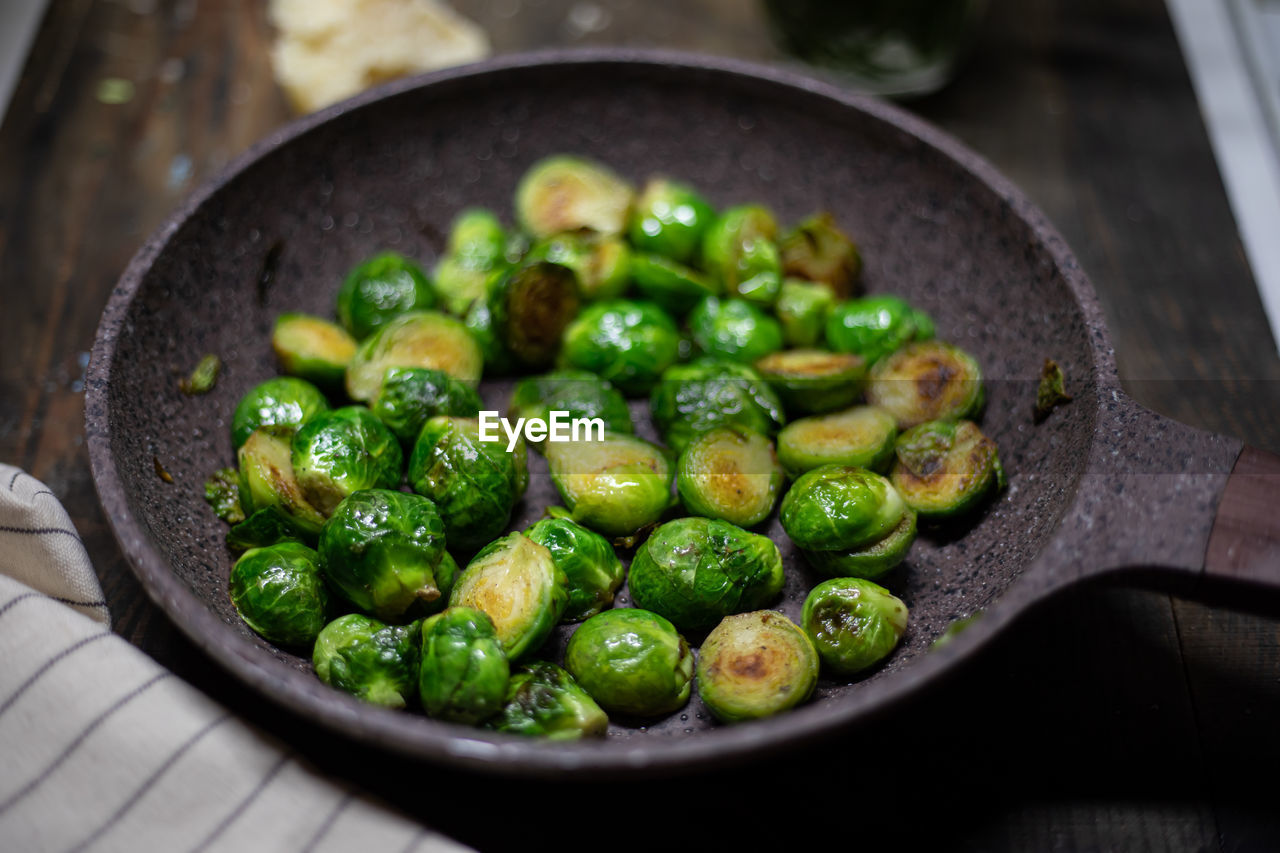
(755, 665)
(669, 219)
(875, 326)
(710, 392)
(544, 701)
(477, 246)
(343, 451)
(590, 565)
(312, 348)
(464, 671)
(626, 343)
(530, 307)
(383, 551)
(738, 248)
(378, 290)
(222, 492)
(817, 250)
(265, 527)
(810, 380)
(695, 571)
(369, 659)
(734, 329)
(631, 662)
(853, 623)
(281, 401)
(279, 593)
(601, 264)
(479, 322)
(615, 486)
(411, 396)
(576, 393)
(515, 581)
(563, 193)
(929, 381)
(674, 286)
(945, 468)
(729, 473)
(802, 309)
(861, 436)
(420, 339)
(267, 479)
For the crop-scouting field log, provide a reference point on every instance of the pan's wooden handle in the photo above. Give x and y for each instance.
(1244, 546)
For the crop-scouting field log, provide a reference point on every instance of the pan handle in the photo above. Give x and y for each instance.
(1242, 561)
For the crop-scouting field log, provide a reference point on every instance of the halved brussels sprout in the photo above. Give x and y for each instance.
(313, 348)
(267, 479)
(515, 581)
(817, 250)
(543, 700)
(279, 593)
(531, 305)
(945, 468)
(378, 290)
(623, 342)
(369, 659)
(710, 392)
(343, 451)
(812, 380)
(464, 671)
(868, 561)
(671, 284)
(565, 193)
(602, 264)
(282, 401)
(861, 436)
(461, 285)
(383, 550)
(264, 527)
(729, 473)
(588, 561)
(853, 623)
(411, 396)
(474, 483)
(802, 309)
(577, 393)
(615, 486)
(875, 326)
(477, 246)
(479, 323)
(739, 249)
(734, 329)
(696, 571)
(420, 339)
(755, 665)
(928, 381)
(631, 662)
(669, 219)
(840, 508)
(222, 492)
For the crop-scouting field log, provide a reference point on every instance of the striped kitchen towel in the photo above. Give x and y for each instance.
(102, 749)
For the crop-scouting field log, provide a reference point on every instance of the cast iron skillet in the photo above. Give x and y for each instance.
(1101, 488)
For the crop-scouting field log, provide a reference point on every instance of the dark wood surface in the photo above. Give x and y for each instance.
(1108, 719)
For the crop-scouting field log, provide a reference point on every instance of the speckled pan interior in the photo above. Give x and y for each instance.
(391, 171)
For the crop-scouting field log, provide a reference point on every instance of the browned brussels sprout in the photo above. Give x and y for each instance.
(818, 250)
(927, 381)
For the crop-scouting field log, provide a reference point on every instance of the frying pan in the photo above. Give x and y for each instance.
(1100, 489)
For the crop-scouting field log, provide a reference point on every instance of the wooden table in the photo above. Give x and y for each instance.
(1110, 719)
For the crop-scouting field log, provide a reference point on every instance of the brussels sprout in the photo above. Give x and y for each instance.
(674, 286)
(624, 342)
(615, 486)
(840, 508)
(602, 264)
(755, 665)
(811, 380)
(378, 290)
(631, 662)
(463, 674)
(729, 473)
(267, 479)
(410, 396)
(709, 392)
(734, 329)
(802, 309)
(474, 483)
(479, 322)
(695, 571)
(420, 339)
(368, 659)
(280, 401)
(875, 326)
(383, 549)
(279, 593)
(222, 492)
(312, 348)
(343, 451)
(530, 307)
(266, 527)
(868, 561)
(544, 701)
(577, 393)
(563, 193)
(862, 437)
(853, 623)
(945, 468)
(461, 285)
(477, 246)
(739, 249)
(819, 251)
(929, 381)
(669, 219)
(517, 584)
(588, 561)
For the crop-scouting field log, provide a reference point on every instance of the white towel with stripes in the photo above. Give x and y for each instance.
(102, 749)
